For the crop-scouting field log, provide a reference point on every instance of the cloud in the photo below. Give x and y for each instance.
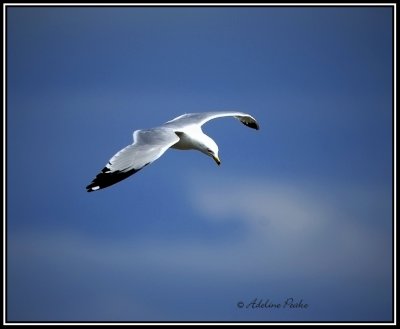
(291, 234)
(302, 225)
(283, 226)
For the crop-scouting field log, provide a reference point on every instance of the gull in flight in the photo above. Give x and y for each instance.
(182, 133)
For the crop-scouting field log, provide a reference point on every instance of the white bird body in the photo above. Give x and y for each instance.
(189, 139)
(183, 133)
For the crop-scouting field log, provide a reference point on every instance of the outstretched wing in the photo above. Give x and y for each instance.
(202, 118)
(148, 146)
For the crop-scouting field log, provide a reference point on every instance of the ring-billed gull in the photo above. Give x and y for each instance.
(183, 133)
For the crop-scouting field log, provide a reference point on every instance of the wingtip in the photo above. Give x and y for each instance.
(107, 178)
(92, 188)
(248, 121)
(253, 125)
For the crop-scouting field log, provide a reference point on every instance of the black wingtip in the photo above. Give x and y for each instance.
(107, 178)
(92, 187)
(252, 124)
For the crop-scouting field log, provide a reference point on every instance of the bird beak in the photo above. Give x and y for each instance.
(216, 159)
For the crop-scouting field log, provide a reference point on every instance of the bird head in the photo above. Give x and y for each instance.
(210, 148)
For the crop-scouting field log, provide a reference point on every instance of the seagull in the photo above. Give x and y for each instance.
(182, 133)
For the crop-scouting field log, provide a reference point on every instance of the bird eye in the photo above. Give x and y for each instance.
(209, 151)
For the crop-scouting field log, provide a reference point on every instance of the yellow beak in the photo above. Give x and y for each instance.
(216, 159)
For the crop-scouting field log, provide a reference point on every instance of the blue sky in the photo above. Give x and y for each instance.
(300, 209)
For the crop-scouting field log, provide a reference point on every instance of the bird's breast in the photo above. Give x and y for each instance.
(185, 142)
